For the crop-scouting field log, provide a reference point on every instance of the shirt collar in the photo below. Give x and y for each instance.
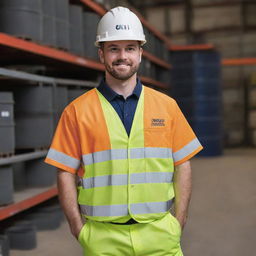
(110, 95)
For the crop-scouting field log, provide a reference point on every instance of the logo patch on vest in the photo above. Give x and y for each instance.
(122, 27)
(157, 122)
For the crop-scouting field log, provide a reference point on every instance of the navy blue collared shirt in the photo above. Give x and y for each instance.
(125, 108)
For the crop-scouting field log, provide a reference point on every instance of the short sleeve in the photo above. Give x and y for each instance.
(184, 142)
(65, 150)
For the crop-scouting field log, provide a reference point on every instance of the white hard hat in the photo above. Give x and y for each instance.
(119, 24)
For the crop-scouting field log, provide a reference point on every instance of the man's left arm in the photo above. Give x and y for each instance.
(183, 189)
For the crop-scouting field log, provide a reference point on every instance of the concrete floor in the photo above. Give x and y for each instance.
(222, 217)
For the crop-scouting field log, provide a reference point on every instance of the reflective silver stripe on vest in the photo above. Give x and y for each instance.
(63, 159)
(151, 177)
(122, 179)
(107, 180)
(115, 154)
(150, 153)
(186, 150)
(122, 209)
(104, 210)
(150, 207)
(106, 155)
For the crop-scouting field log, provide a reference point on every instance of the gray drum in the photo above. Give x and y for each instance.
(6, 184)
(34, 116)
(21, 18)
(39, 174)
(76, 30)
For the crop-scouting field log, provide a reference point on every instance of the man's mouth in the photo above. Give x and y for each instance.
(118, 63)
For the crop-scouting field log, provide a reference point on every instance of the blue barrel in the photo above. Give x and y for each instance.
(213, 146)
(196, 86)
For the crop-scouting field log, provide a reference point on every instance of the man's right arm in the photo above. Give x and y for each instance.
(68, 199)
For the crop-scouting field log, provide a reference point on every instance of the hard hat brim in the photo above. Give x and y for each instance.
(129, 38)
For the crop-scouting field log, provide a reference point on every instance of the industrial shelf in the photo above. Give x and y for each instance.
(34, 48)
(239, 62)
(192, 47)
(49, 54)
(22, 157)
(156, 60)
(45, 79)
(153, 82)
(26, 199)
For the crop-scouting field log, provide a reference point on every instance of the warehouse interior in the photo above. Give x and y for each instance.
(200, 52)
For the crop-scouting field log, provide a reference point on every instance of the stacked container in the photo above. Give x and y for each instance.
(76, 30)
(22, 235)
(62, 24)
(90, 24)
(21, 18)
(60, 100)
(4, 245)
(6, 184)
(196, 87)
(48, 36)
(34, 116)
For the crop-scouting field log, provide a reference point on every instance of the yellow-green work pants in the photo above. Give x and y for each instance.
(158, 238)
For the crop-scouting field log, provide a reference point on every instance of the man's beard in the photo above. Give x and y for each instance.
(120, 75)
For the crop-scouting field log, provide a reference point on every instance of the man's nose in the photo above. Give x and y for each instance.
(122, 54)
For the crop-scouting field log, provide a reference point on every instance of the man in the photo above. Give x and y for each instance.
(116, 147)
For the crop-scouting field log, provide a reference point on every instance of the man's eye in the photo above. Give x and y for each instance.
(130, 49)
(113, 49)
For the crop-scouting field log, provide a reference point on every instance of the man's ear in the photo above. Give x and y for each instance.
(100, 53)
(141, 51)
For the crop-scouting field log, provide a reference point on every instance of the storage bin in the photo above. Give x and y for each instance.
(25, 13)
(7, 134)
(6, 184)
(39, 174)
(22, 235)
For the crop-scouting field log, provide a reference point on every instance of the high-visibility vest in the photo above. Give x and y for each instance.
(125, 176)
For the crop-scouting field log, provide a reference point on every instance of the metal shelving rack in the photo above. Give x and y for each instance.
(32, 196)
(16, 48)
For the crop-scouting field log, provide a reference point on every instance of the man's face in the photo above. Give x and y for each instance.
(121, 58)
